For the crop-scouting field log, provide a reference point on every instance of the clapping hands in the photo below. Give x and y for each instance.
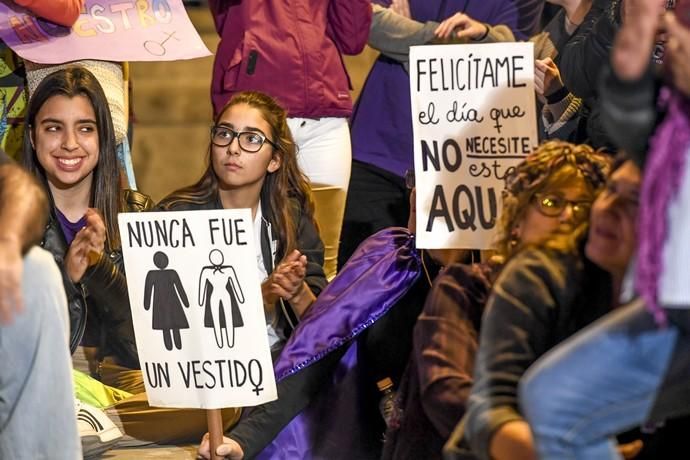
(87, 247)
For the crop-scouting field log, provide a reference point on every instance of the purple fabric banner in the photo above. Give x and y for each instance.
(334, 424)
(109, 30)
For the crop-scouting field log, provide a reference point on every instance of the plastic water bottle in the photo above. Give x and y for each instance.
(387, 402)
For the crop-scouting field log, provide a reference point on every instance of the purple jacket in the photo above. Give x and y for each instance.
(382, 123)
(290, 50)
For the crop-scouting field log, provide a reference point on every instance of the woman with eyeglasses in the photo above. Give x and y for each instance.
(546, 291)
(253, 164)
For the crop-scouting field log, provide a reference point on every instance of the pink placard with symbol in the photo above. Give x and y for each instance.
(111, 30)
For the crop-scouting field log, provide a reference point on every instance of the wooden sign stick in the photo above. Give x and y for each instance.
(214, 419)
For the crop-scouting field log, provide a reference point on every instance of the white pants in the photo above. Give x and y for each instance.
(325, 156)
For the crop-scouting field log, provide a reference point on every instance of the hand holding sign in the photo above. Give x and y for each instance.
(547, 77)
(87, 246)
(230, 449)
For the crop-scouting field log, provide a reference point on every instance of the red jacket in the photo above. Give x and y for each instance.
(289, 49)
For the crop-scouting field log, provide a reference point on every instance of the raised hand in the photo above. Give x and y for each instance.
(287, 282)
(402, 7)
(677, 53)
(634, 42)
(87, 247)
(547, 78)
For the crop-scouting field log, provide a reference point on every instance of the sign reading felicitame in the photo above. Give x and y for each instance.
(474, 119)
(107, 30)
(198, 313)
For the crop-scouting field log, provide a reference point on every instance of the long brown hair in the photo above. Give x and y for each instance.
(552, 164)
(106, 193)
(286, 190)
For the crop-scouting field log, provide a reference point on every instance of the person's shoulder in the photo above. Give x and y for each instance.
(40, 263)
(543, 257)
(554, 269)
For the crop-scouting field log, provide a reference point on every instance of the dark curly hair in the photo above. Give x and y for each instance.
(552, 164)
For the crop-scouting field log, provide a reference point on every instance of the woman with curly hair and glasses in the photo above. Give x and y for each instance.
(546, 291)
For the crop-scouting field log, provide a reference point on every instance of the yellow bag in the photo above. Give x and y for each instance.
(93, 392)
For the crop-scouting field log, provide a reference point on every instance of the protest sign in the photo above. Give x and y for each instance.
(474, 119)
(107, 30)
(198, 313)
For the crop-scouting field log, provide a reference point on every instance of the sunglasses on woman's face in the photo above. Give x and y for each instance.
(250, 141)
(553, 204)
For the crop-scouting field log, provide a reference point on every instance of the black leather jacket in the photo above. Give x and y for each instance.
(102, 291)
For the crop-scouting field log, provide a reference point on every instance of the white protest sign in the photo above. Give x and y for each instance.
(197, 307)
(474, 119)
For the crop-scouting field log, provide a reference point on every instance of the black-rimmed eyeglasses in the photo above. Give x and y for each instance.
(250, 141)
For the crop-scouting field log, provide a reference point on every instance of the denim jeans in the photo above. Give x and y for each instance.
(600, 382)
(37, 412)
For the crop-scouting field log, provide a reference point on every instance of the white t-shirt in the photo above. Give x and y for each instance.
(263, 275)
(674, 282)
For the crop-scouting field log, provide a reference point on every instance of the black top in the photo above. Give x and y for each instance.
(434, 389)
(585, 56)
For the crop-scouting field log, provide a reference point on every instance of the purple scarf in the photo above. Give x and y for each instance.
(378, 274)
(663, 175)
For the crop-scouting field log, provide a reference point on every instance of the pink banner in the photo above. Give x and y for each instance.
(109, 30)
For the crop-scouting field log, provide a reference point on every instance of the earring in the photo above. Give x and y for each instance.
(514, 238)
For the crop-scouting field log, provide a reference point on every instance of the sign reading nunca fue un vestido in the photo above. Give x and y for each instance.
(198, 313)
(474, 119)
